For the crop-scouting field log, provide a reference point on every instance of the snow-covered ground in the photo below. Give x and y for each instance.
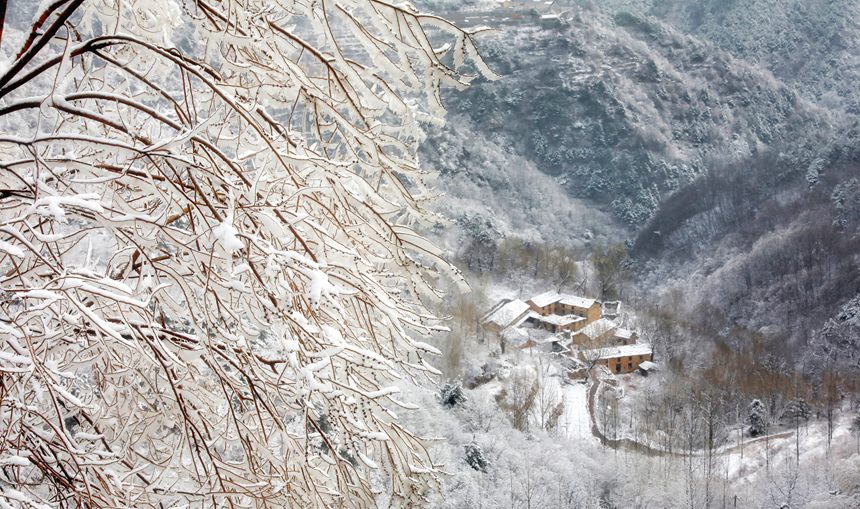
(576, 422)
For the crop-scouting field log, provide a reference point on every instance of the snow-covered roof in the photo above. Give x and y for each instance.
(647, 366)
(525, 338)
(579, 302)
(598, 328)
(623, 333)
(559, 338)
(531, 314)
(508, 313)
(514, 335)
(560, 320)
(536, 334)
(612, 352)
(547, 298)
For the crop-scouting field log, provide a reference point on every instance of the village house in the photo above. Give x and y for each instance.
(505, 314)
(554, 303)
(533, 339)
(624, 336)
(596, 333)
(647, 367)
(558, 323)
(619, 359)
(603, 332)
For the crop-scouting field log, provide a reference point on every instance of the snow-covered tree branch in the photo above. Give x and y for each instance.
(211, 276)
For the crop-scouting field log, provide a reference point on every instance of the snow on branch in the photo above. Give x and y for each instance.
(210, 271)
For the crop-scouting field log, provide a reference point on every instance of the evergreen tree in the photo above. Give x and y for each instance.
(475, 457)
(797, 410)
(757, 418)
(451, 394)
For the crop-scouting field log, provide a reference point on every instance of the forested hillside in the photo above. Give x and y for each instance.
(812, 45)
(734, 174)
(719, 140)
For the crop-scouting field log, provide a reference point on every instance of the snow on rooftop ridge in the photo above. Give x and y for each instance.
(545, 299)
(613, 352)
(598, 328)
(552, 338)
(551, 297)
(621, 332)
(576, 301)
(534, 333)
(560, 320)
(508, 313)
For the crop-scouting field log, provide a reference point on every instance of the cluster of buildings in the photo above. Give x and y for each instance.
(584, 329)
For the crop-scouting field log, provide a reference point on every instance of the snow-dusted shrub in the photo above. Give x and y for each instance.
(757, 418)
(489, 371)
(797, 410)
(517, 397)
(475, 457)
(210, 272)
(451, 394)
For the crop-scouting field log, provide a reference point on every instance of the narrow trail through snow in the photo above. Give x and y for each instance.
(629, 444)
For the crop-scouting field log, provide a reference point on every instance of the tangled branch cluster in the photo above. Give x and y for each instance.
(209, 272)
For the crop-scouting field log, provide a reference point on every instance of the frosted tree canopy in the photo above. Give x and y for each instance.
(211, 276)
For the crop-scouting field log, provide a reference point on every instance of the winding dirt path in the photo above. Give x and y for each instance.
(647, 450)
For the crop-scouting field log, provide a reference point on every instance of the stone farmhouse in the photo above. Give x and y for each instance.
(505, 314)
(554, 303)
(619, 359)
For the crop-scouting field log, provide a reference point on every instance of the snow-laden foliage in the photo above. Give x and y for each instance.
(846, 203)
(210, 273)
(797, 410)
(757, 418)
(475, 457)
(451, 394)
(838, 343)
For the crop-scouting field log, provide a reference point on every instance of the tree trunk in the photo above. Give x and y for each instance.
(2, 20)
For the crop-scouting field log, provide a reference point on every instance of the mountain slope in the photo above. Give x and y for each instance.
(734, 176)
(623, 110)
(814, 45)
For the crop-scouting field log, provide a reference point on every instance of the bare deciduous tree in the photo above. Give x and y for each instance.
(518, 397)
(613, 267)
(210, 273)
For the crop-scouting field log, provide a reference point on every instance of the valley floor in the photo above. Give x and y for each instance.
(604, 465)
